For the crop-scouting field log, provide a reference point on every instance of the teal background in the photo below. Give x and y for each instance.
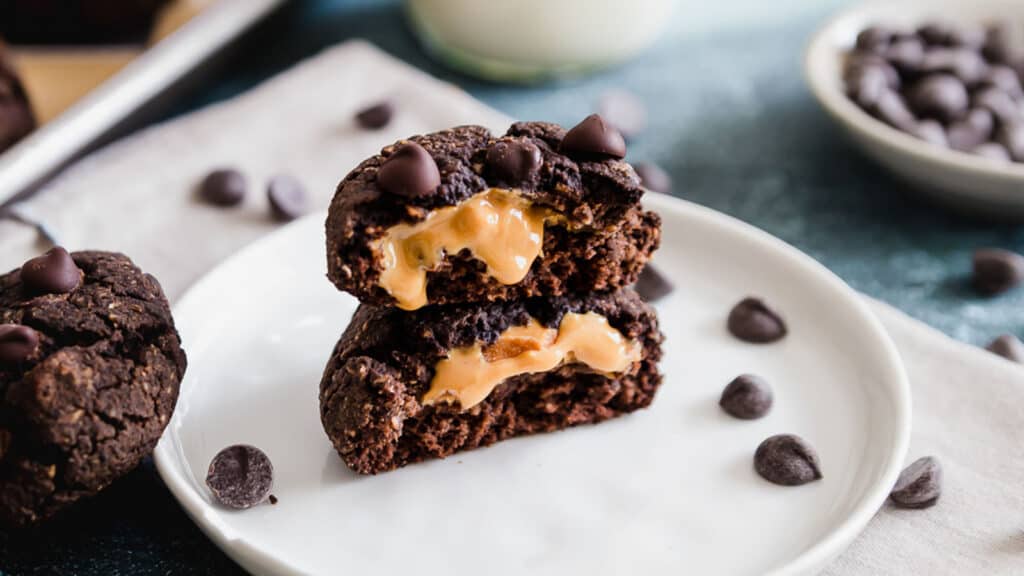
(733, 122)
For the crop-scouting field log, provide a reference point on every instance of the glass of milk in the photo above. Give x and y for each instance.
(534, 40)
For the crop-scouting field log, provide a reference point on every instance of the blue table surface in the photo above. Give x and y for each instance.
(733, 122)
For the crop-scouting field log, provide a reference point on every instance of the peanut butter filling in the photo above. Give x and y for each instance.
(469, 374)
(499, 227)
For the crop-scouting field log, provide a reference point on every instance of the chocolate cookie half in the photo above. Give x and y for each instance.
(90, 364)
(402, 387)
(464, 216)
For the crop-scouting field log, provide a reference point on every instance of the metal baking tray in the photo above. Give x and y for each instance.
(138, 85)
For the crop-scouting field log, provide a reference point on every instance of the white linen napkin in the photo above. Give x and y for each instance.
(135, 196)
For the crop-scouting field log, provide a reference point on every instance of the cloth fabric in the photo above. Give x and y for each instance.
(137, 196)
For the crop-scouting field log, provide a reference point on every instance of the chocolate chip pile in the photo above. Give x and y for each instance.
(957, 87)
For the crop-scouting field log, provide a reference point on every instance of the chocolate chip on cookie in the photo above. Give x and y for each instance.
(593, 139)
(52, 273)
(513, 161)
(409, 172)
(17, 343)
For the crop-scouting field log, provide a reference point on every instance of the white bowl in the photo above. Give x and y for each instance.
(968, 183)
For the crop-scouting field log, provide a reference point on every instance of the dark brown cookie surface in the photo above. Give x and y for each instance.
(94, 393)
(600, 239)
(371, 394)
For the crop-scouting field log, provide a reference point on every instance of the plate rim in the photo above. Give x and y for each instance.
(168, 452)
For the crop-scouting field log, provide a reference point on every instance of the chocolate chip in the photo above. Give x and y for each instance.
(654, 178)
(240, 476)
(624, 111)
(787, 460)
(943, 34)
(410, 172)
(55, 272)
(999, 44)
(997, 102)
(272, 499)
(907, 54)
(892, 109)
(17, 343)
(287, 197)
(966, 65)
(866, 84)
(377, 116)
(860, 63)
(652, 285)
(1008, 346)
(941, 96)
(874, 39)
(992, 151)
(753, 321)
(224, 187)
(972, 131)
(997, 270)
(593, 139)
(513, 161)
(919, 485)
(1004, 79)
(932, 132)
(1011, 136)
(747, 397)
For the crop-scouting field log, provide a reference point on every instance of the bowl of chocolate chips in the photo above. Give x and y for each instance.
(932, 90)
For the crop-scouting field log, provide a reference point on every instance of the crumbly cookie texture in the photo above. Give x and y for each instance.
(92, 399)
(371, 393)
(601, 242)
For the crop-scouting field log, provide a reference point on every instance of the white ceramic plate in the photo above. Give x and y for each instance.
(667, 490)
(969, 183)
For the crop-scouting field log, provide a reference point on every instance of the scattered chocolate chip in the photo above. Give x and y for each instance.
(940, 96)
(410, 171)
(55, 272)
(224, 187)
(931, 131)
(272, 499)
(919, 485)
(997, 270)
(1011, 137)
(287, 197)
(513, 161)
(1008, 346)
(874, 39)
(624, 111)
(593, 139)
(992, 151)
(753, 321)
(17, 343)
(652, 285)
(377, 116)
(240, 476)
(747, 397)
(654, 178)
(972, 131)
(787, 460)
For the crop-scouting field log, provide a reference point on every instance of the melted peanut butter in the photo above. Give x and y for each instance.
(497, 226)
(469, 374)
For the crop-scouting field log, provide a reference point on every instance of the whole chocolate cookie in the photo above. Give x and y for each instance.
(16, 118)
(89, 375)
(463, 215)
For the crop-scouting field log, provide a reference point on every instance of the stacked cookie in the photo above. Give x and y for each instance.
(493, 274)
